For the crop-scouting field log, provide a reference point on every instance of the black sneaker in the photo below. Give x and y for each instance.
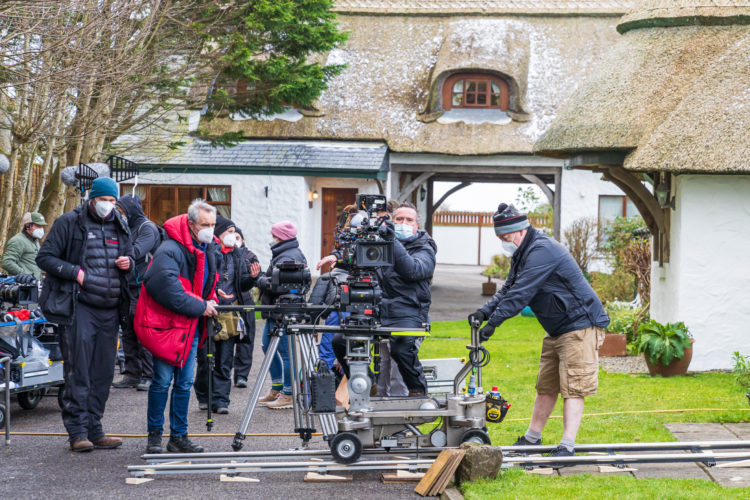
(522, 441)
(143, 385)
(154, 441)
(241, 382)
(126, 383)
(561, 451)
(181, 444)
(221, 410)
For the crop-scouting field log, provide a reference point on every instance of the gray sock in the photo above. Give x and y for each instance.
(569, 444)
(532, 437)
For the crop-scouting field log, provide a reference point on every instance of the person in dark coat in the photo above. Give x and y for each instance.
(243, 350)
(544, 276)
(284, 248)
(177, 296)
(87, 257)
(145, 239)
(406, 296)
(235, 277)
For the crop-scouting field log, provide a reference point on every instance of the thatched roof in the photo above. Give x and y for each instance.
(675, 91)
(516, 7)
(396, 64)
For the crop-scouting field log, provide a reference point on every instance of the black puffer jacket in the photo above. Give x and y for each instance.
(285, 251)
(65, 250)
(544, 276)
(406, 285)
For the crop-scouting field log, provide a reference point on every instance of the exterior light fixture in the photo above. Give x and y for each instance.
(311, 196)
(662, 196)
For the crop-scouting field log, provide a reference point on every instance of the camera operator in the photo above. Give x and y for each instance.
(284, 248)
(145, 239)
(234, 278)
(243, 351)
(544, 276)
(87, 256)
(176, 297)
(406, 295)
(22, 249)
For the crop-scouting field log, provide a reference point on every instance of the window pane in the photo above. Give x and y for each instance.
(217, 194)
(162, 203)
(609, 208)
(482, 86)
(482, 99)
(185, 195)
(458, 86)
(471, 86)
(630, 209)
(495, 100)
(471, 98)
(495, 88)
(458, 99)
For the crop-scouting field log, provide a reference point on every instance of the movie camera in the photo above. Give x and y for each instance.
(15, 294)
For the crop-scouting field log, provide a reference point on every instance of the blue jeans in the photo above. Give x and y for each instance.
(281, 372)
(159, 391)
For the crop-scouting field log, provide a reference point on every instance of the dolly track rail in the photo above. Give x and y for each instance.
(707, 457)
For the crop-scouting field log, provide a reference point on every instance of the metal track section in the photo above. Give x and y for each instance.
(707, 457)
(612, 447)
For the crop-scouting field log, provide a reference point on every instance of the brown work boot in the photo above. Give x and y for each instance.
(107, 443)
(81, 445)
(282, 402)
(269, 398)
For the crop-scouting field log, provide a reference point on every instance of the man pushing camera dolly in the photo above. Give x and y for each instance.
(544, 276)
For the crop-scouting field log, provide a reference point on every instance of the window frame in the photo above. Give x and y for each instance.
(147, 204)
(504, 97)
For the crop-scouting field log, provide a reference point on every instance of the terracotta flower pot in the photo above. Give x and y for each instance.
(615, 344)
(489, 287)
(676, 367)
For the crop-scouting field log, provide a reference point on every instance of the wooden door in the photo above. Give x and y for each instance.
(334, 201)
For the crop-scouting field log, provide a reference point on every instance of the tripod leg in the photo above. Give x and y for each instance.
(255, 396)
(296, 379)
(210, 372)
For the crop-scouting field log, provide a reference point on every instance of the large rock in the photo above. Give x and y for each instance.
(481, 461)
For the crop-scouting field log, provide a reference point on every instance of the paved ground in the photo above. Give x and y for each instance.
(40, 466)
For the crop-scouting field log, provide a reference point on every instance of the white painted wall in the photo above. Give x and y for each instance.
(254, 213)
(458, 245)
(706, 282)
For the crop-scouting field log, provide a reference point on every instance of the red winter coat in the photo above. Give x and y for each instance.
(172, 298)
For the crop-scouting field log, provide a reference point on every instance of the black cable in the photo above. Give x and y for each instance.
(481, 362)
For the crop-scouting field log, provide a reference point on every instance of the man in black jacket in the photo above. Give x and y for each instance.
(544, 276)
(406, 295)
(234, 278)
(243, 350)
(87, 257)
(145, 239)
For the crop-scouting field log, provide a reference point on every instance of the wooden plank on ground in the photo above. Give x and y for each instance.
(447, 473)
(541, 471)
(224, 478)
(138, 480)
(432, 474)
(401, 477)
(741, 463)
(314, 477)
(611, 468)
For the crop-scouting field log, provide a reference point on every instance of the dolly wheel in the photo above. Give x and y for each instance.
(476, 436)
(28, 400)
(346, 447)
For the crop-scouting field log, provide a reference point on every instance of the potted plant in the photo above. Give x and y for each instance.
(667, 348)
(497, 269)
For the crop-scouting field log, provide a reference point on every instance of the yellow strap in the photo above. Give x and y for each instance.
(410, 334)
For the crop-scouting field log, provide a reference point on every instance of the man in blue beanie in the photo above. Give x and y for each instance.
(87, 257)
(544, 276)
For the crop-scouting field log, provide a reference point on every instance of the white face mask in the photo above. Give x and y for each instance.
(38, 233)
(509, 248)
(103, 208)
(229, 240)
(238, 243)
(206, 235)
(403, 231)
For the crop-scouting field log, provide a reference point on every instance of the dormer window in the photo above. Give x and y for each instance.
(475, 91)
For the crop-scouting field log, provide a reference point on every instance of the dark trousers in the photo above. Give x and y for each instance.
(89, 347)
(222, 381)
(138, 361)
(243, 358)
(404, 351)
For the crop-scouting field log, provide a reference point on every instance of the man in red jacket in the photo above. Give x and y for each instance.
(177, 295)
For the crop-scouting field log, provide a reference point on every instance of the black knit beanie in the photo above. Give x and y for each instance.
(222, 224)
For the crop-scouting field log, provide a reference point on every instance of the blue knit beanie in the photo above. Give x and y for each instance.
(103, 186)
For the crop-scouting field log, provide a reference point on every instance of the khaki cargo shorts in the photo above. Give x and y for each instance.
(569, 364)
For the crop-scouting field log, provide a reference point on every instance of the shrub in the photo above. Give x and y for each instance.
(580, 238)
(618, 235)
(621, 319)
(741, 369)
(612, 287)
(499, 267)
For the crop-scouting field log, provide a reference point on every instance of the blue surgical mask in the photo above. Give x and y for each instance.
(403, 231)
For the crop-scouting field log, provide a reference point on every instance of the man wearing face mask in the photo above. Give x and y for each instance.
(87, 257)
(544, 276)
(235, 277)
(21, 250)
(177, 297)
(406, 295)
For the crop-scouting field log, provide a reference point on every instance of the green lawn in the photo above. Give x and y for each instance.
(515, 350)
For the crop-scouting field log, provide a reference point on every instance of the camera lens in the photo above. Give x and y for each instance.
(372, 253)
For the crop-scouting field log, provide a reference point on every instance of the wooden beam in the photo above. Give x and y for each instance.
(448, 193)
(430, 207)
(414, 184)
(642, 197)
(557, 206)
(545, 189)
(381, 187)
